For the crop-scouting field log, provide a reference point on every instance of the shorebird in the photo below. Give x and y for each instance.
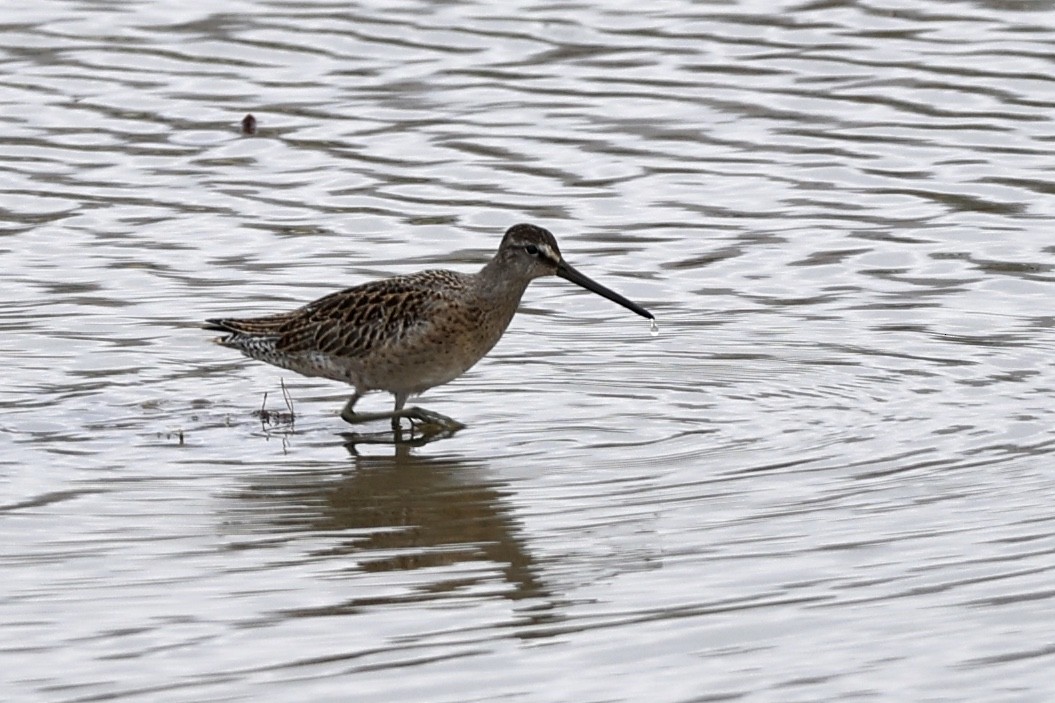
(409, 333)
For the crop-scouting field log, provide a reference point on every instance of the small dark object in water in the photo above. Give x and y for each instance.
(249, 124)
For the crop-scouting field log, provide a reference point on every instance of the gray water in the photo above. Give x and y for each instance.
(829, 477)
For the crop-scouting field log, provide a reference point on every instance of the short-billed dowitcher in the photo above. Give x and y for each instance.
(409, 333)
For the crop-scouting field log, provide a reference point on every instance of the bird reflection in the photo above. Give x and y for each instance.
(403, 512)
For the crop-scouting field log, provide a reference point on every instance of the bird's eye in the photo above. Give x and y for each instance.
(531, 249)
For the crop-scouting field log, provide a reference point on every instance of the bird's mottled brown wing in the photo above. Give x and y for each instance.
(356, 321)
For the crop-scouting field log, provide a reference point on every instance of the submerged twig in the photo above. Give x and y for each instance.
(289, 400)
(277, 417)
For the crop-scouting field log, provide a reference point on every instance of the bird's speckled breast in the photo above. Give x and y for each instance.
(456, 334)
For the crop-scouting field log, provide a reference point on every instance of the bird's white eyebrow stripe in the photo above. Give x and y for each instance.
(548, 252)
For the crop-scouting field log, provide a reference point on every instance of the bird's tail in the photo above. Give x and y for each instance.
(254, 336)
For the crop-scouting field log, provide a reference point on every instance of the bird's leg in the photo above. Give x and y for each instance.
(401, 400)
(349, 415)
(425, 417)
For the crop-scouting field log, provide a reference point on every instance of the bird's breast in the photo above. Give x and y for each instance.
(440, 347)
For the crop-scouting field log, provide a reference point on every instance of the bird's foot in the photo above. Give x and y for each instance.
(354, 418)
(426, 421)
(430, 422)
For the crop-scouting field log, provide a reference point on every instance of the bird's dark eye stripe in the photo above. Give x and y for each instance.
(531, 249)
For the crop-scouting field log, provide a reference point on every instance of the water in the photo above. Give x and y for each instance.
(828, 479)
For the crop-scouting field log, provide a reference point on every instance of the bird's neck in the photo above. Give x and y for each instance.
(502, 290)
(496, 278)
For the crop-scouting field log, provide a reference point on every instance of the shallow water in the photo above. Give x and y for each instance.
(827, 478)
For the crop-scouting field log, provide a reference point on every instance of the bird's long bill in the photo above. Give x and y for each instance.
(570, 274)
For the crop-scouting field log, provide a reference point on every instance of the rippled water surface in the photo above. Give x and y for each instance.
(828, 478)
